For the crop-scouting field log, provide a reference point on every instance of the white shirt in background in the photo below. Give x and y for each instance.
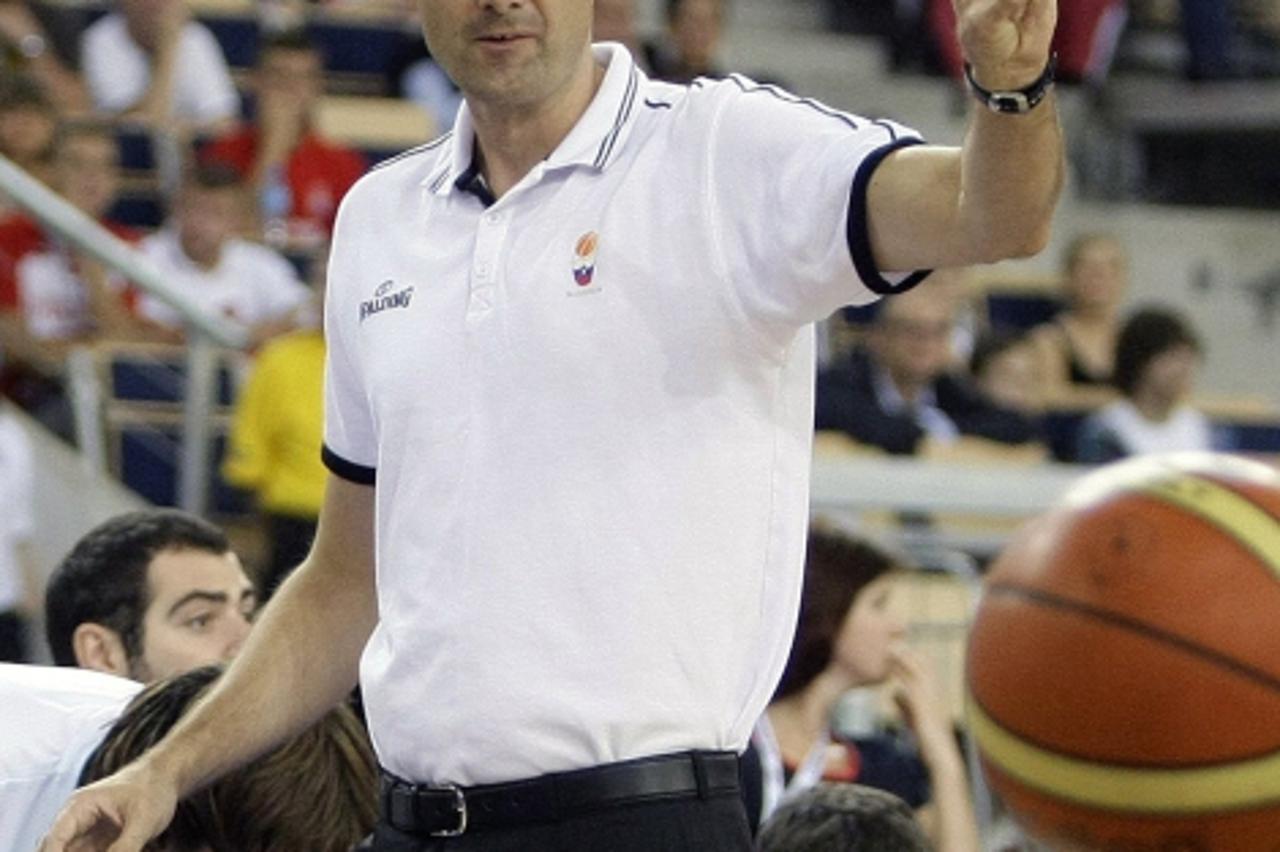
(51, 719)
(1184, 429)
(251, 284)
(118, 72)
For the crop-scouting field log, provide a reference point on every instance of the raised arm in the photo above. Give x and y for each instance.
(300, 661)
(994, 197)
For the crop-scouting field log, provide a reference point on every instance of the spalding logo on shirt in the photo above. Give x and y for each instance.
(584, 262)
(383, 299)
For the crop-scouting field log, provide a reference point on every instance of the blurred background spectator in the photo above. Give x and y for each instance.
(849, 638)
(1076, 349)
(297, 175)
(275, 444)
(58, 297)
(691, 45)
(225, 274)
(615, 20)
(1157, 356)
(149, 60)
(900, 392)
(1003, 367)
(28, 120)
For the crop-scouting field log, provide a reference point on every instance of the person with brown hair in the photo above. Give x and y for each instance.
(317, 792)
(1075, 351)
(849, 637)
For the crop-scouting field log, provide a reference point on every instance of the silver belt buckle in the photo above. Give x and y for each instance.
(460, 806)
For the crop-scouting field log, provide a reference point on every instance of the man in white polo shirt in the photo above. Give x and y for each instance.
(569, 412)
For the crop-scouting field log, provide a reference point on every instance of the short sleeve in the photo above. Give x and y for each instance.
(350, 441)
(787, 180)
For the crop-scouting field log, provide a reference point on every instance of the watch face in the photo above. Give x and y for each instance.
(1010, 102)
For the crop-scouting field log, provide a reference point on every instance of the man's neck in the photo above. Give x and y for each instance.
(511, 141)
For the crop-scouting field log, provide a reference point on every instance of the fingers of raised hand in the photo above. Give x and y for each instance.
(1008, 41)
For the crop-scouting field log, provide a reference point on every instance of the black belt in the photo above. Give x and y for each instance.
(449, 811)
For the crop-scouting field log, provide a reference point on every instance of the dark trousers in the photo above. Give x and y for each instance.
(714, 824)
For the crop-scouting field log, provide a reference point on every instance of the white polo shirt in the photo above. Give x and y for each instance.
(52, 719)
(588, 408)
(251, 283)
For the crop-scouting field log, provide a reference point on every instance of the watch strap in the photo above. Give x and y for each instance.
(1015, 101)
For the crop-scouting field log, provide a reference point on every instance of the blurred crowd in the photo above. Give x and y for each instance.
(221, 176)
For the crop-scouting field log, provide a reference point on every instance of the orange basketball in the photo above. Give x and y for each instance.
(1124, 665)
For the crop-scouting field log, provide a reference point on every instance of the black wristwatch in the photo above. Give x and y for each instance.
(1017, 101)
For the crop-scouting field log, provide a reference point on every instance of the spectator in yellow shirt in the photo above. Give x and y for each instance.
(275, 446)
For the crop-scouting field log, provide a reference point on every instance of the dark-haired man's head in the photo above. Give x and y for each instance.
(316, 792)
(209, 211)
(147, 595)
(843, 817)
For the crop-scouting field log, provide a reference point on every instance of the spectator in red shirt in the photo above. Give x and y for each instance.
(86, 172)
(298, 175)
(52, 296)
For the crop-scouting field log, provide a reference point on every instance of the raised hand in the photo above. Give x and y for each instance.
(916, 692)
(1006, 41)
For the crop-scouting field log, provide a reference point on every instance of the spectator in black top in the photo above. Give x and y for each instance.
(899, 392)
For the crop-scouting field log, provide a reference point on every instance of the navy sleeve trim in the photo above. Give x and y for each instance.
(856, 227)
(349, 471)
